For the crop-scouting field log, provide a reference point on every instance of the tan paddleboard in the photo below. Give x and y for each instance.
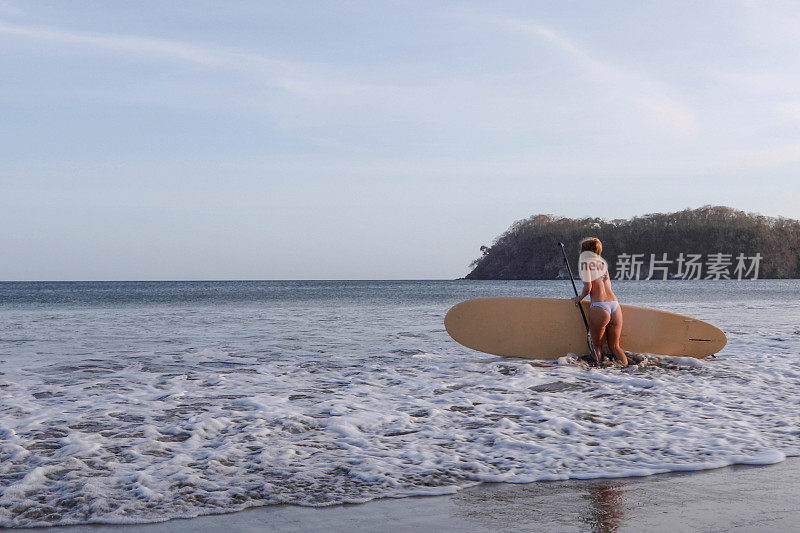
(547, 328)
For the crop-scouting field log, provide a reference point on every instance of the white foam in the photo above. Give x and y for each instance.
(686, 362)
(147, 430)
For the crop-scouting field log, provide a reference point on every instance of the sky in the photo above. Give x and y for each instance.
(374, 140)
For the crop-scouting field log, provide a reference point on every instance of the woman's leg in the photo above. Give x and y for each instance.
(598, 318)
(613, 332)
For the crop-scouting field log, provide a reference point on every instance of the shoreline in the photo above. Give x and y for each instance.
(738, 497)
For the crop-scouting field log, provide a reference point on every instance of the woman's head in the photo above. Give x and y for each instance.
(592, 244)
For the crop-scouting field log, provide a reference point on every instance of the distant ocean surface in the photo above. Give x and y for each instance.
(141, 402)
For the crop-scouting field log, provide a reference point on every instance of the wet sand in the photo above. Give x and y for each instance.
(738, 498)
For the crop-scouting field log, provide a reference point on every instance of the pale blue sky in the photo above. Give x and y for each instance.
(269, 140)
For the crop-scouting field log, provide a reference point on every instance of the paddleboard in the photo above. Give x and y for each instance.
(548, 328)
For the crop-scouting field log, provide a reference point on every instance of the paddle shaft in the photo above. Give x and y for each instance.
(580, 307)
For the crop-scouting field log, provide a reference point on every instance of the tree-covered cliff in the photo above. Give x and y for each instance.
(711, 242)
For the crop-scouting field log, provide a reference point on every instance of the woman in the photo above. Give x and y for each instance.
(605, 313)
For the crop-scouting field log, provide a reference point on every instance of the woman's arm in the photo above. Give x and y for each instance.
(587, 288)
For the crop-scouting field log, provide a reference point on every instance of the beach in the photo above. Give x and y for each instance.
(736, 498)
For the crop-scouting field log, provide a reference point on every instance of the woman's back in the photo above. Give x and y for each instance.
(601, 289)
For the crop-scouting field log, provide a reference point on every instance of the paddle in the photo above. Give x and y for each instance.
(580, 307)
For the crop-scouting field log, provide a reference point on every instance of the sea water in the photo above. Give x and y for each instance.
(141, 402)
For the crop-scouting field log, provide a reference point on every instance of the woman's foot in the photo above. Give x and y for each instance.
(621, 357)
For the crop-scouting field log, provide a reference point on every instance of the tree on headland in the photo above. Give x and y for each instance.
(529, 248)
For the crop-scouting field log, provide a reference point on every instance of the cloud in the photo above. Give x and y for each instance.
(9, 9)
(651, 99)
(770, 25)
(761, 82)
(763, 158)
(293, 77)
(790, 109)
(139, 46)
(333, 105)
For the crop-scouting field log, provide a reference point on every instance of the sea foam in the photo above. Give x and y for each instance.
(142, 413)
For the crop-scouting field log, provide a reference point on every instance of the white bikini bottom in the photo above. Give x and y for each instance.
(611, 307)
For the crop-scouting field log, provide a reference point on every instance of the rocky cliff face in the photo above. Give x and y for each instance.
(711, 242)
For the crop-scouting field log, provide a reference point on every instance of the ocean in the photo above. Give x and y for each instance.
(131, 402)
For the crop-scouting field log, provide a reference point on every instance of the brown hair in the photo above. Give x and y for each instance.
(592, 244)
